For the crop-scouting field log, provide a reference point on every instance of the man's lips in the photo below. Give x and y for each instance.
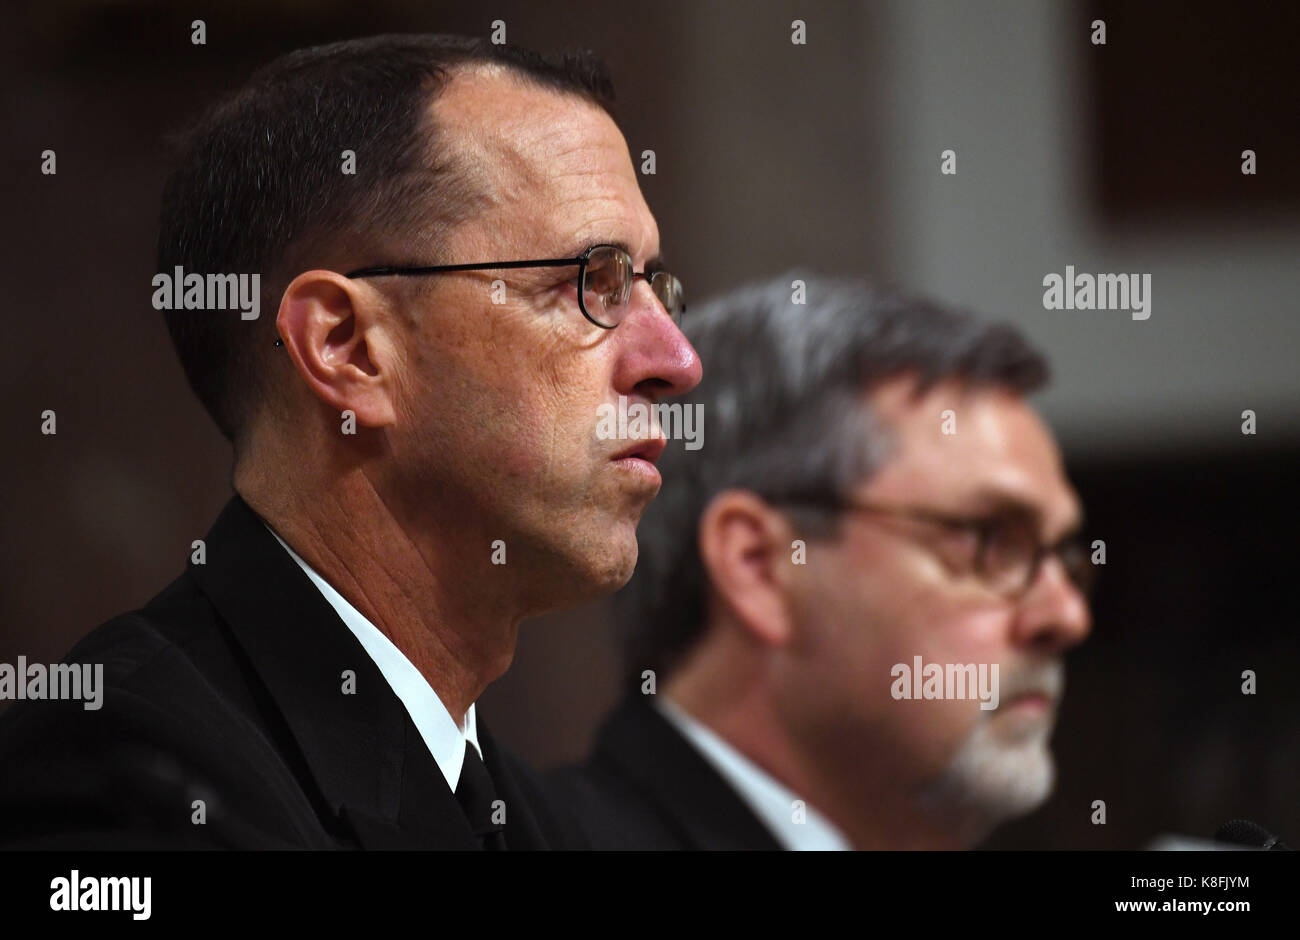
(639, 461)
(647, 450)
(1034, 699)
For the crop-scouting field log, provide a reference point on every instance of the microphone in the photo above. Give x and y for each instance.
(1245, 832)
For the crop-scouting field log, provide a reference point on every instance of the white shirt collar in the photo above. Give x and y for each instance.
(774, 804)
(444, 738)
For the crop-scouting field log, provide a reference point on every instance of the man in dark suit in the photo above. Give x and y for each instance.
(848, 618)
(464, 272)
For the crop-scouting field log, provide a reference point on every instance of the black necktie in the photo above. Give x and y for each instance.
(476, 796)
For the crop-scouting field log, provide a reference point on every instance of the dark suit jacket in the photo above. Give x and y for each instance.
(227, 688)
(647, 787)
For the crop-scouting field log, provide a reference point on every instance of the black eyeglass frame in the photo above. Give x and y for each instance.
(581, 261)
(984, 527)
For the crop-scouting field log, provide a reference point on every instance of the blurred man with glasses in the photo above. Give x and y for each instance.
(874, 488)
(463, 271)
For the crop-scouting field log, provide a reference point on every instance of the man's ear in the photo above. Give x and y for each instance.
(331, 330)
(745, 545)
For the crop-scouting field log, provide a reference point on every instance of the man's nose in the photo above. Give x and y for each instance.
(1054, 614)
(656, 359)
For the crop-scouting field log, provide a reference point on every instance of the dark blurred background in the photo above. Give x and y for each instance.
(1123, 157)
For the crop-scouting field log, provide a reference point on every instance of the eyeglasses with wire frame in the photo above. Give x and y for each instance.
(1008, 554)
(604, 273)
(605, 279)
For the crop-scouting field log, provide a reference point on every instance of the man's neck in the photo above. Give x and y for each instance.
(854, 790)
(423, 597)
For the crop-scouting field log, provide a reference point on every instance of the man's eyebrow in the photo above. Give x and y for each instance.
(1000, 502)
(653, 264)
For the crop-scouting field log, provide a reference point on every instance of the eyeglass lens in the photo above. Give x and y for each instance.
(607, 287)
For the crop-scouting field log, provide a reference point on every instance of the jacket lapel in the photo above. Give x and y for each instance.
(522, 830)
(705, 811)
(363, 751)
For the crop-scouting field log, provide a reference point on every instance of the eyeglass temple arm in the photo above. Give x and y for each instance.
(384, 271)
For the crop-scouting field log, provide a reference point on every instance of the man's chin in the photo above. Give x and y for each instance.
(594, 570)
(615, 570)
(991, 779)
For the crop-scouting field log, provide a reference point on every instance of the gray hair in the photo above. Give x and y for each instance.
(782, 398)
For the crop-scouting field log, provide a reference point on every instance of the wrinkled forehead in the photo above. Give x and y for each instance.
(970, 448)
(549, 166)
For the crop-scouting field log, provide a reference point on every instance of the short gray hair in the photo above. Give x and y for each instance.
(782, 402)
